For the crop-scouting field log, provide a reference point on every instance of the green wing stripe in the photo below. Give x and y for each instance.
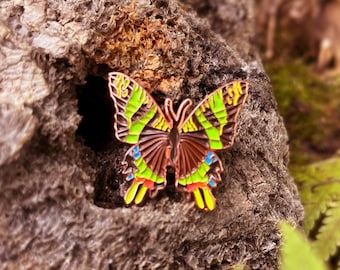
(135, 102)
(137, 99)
(143, 171)
(137, 127)
(217, 106)
(198, 176)
(212, 132)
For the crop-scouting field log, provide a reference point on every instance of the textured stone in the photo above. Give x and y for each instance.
(61, 187)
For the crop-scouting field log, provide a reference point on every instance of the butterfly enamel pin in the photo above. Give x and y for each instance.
(185, 140)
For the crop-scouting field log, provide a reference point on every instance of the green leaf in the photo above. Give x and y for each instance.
(328, 236)
(319, 185)
(296, 252)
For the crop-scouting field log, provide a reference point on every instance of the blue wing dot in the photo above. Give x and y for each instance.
(136, 153)
(212, 183)
(130, 177)
(208, 159)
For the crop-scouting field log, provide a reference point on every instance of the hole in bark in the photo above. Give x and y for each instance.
(97, 132)
(96, 108)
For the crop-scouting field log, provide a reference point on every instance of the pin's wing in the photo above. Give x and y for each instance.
(210, 126)
(139, 121)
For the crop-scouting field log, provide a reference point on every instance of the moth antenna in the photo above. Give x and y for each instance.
(182, 111)
(168, 110)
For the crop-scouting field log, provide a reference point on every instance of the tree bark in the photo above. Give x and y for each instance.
(61, 184)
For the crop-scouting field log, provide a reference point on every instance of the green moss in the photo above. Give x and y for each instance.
(309, 107)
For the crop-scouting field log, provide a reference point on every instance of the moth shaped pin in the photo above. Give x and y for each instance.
(185, 140)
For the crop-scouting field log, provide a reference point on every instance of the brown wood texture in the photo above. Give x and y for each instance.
(61, 185)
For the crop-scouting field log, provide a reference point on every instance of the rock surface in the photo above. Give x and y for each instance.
(61, 188)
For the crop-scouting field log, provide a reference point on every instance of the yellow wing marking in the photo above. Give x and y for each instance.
(160, 123)
(237, 91)
(205, 106)
(189, 126)
(234, 94)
